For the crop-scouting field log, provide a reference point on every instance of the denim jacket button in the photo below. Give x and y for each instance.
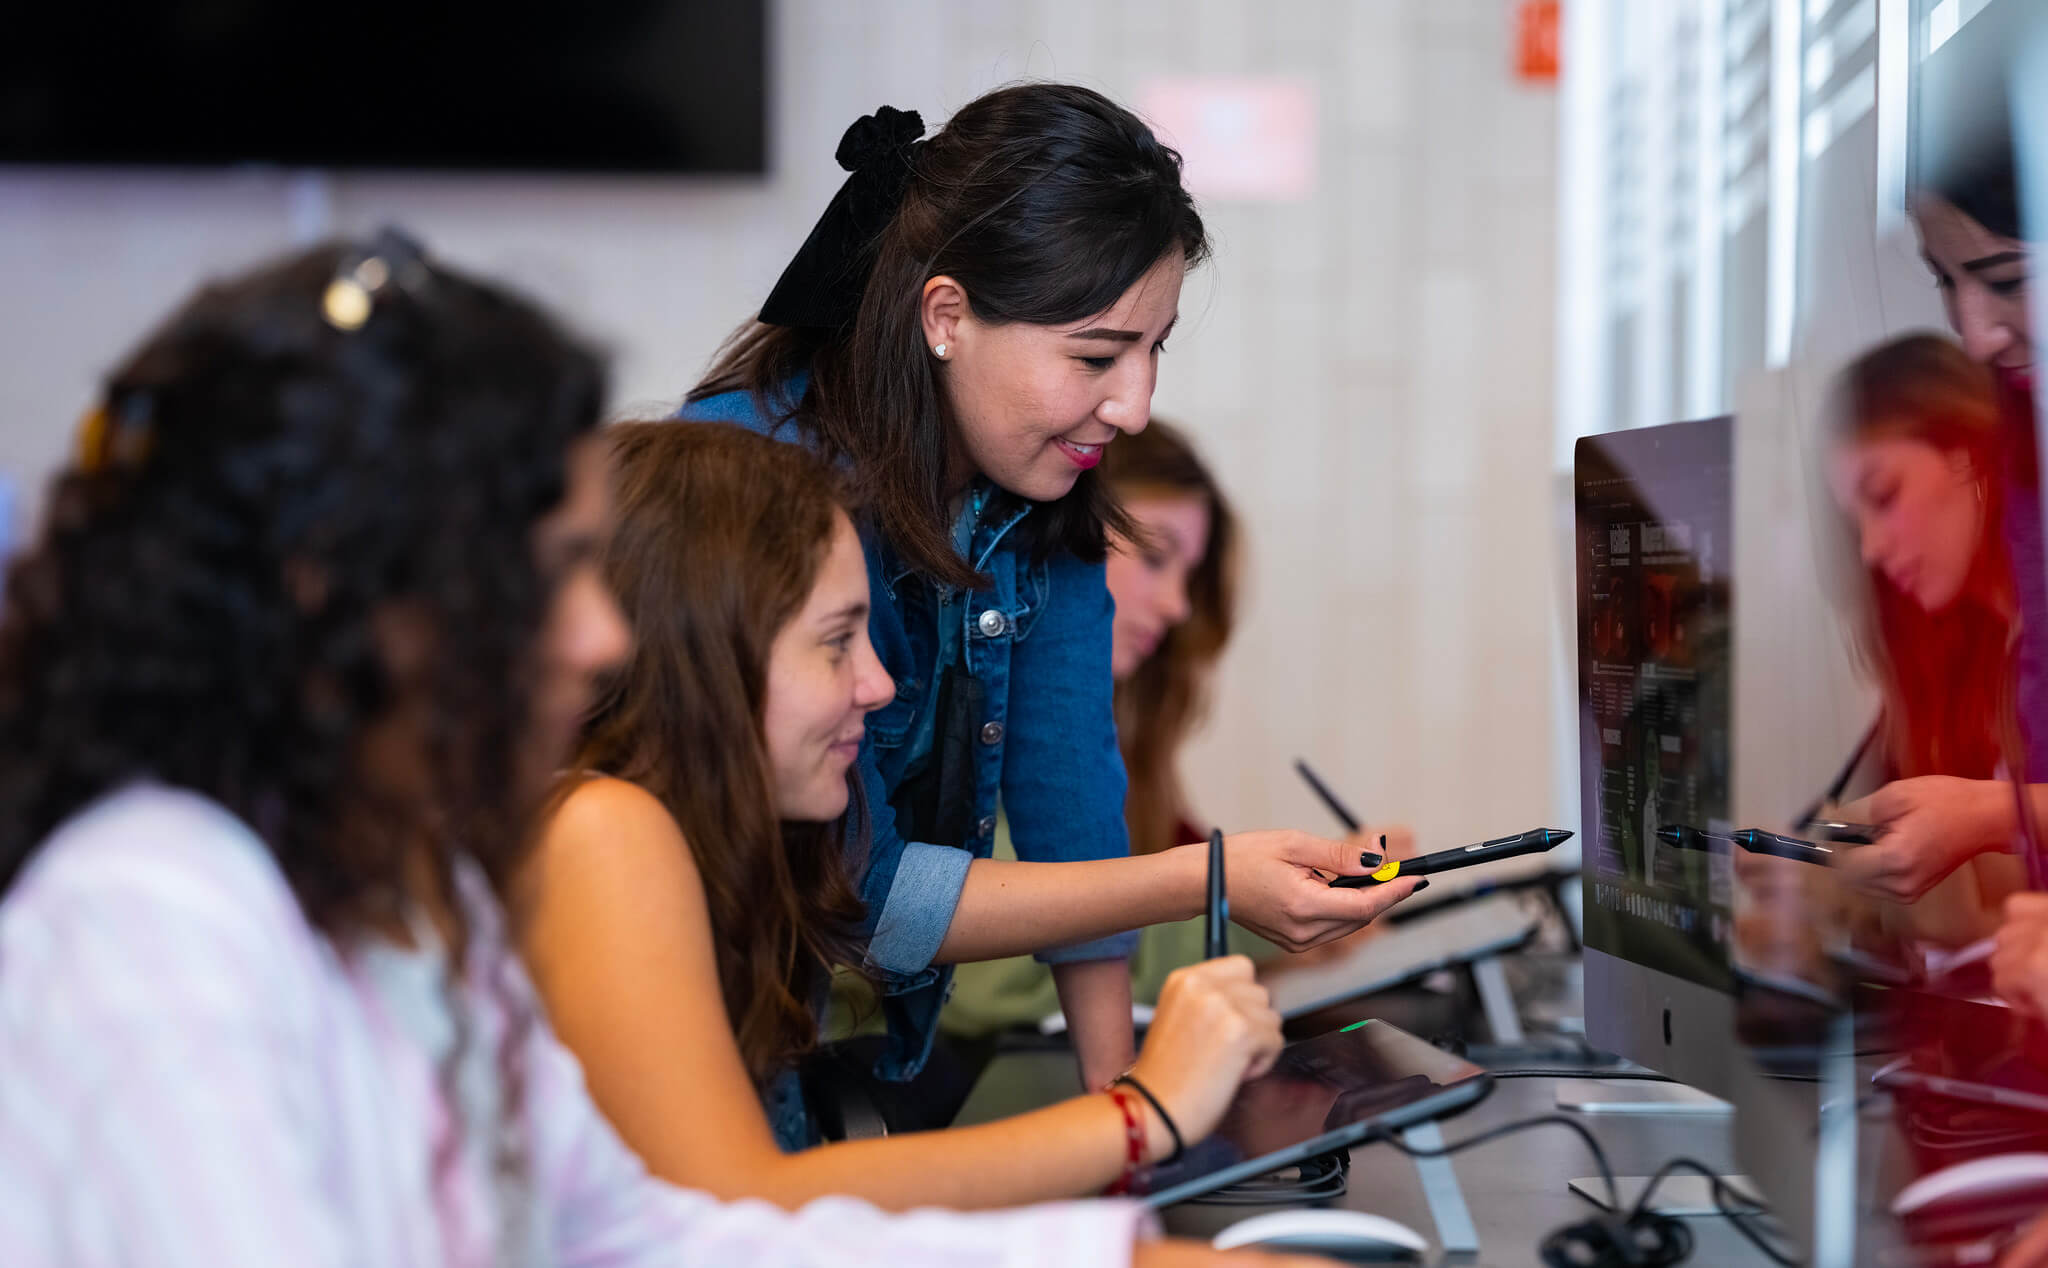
(987, 827)
(992, 733)
(992, 623)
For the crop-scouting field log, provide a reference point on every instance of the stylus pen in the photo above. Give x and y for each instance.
(1777, 844)
(1842, 833)
(1338, 808)
(1686, 837)
(1215, 926)
(1534, 841)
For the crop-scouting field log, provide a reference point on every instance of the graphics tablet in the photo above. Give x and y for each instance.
(1323, 1094)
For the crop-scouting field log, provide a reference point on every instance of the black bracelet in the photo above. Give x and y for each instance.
(1179, 1146)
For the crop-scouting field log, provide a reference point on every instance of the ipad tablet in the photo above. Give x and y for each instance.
(1323, 1094)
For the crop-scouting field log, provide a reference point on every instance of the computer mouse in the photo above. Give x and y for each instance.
(1351, 1236)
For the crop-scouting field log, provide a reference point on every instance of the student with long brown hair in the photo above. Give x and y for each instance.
(975, 319)
(1965, 210)
(692, 889)
(1918, 452)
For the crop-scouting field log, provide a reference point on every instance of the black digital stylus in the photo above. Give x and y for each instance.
(1215, 928)
(1777, 844)
(1338, 808)
(1534, 841)
(1842, 833)
(1758, 841)
(1686, 837)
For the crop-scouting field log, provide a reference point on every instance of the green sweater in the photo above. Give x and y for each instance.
(995, 995)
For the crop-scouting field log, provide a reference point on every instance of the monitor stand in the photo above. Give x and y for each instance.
(1496, 1001)
(1677, 1195)
(1455, 1231)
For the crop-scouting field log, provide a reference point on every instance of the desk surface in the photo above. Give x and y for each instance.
(1515, 1187)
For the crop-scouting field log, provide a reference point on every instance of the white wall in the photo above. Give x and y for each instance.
(1369, 368)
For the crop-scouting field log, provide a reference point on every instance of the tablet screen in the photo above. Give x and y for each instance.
(1341, 1082)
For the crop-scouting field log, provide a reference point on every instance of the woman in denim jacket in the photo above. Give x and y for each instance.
(973, 319)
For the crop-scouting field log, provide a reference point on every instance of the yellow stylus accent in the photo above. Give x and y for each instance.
(1389, 872)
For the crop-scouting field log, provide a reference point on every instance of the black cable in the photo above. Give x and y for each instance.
(1322, 1178)
(1645, 1076)
(1637, 1236)
(1722, 1197)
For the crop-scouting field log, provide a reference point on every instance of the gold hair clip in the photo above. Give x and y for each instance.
(92, 440)
(107, 441)
(392, 258)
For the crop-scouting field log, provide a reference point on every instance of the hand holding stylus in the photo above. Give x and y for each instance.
(1534, 841)
(1931, 824)
(1214, 1028)
(1280, 886)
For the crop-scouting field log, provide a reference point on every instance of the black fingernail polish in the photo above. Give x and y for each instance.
(1420, 886)
(1366, 858)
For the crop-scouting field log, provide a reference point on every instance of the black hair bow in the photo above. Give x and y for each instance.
(822, 286)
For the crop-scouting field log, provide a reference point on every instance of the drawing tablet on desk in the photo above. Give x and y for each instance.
(1469, 931)
(1323, 1094)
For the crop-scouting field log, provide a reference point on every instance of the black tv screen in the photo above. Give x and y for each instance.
(592, 85)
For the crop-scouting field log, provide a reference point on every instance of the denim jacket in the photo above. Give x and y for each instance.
(1036, 639)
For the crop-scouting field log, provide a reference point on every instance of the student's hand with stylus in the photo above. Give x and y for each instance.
(1280, 886)
(1930, 825)
(1214, 1028)
(1399, 842)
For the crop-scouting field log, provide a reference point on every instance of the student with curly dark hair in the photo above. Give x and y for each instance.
(314, 617)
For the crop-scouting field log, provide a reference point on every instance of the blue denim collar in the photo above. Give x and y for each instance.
(983, 538)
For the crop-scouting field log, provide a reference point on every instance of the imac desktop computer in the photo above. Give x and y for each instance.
(1653, 545)
(1668, 986)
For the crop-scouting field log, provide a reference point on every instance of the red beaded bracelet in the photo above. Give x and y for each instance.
(1134, 1143)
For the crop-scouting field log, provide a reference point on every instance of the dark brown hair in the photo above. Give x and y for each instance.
(719, 539)
(1163, 699)
(1046, 202)
(257, 486)
(162, 627)
(1944, 675)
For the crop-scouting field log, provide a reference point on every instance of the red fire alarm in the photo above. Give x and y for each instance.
(1536, 40)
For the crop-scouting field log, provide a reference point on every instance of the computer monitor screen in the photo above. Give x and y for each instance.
(1654, 555)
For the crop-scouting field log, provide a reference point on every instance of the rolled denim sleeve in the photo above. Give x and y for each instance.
(920, 906)
(1063, 776)
(911, 888)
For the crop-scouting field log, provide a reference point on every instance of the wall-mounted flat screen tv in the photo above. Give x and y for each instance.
(650, 86)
